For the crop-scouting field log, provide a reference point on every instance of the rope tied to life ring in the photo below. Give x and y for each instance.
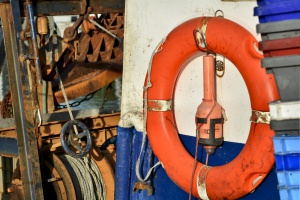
(251, 166)
(137, 165)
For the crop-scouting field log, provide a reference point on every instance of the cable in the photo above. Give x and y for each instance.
(196, 152)
(86, 173)
(195, 163)
(65, 95)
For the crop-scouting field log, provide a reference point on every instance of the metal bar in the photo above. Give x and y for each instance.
(52, 8)
(104, 29)
(34, 44)
(1, 177)
(22, 101)
(107, 6)
(9, 123)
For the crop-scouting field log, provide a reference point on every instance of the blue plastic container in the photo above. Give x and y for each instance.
(278, 11)
(268, 2)
(288, 162)
(277, 8)
(279, 17)
(288, 178)
(289, 193)
(286, 145)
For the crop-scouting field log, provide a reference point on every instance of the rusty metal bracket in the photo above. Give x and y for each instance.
(52, 8)
(143, 186)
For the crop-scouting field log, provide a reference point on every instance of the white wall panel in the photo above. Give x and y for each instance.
(147, 23)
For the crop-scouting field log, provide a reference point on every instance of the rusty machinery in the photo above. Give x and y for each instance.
(44, 68)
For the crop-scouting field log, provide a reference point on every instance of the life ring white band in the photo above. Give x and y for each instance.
(201, 182)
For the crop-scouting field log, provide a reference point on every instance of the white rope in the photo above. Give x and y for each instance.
(67, 101)
(148, 85)
(64, 93)
(137, 165)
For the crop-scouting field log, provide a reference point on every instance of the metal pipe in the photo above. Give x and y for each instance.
(104, 29)
(209, 78)
(111, 140)
(34, 44)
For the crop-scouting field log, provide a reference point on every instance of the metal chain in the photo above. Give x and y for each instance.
(107, 92)
(77, 103)
(64, 93)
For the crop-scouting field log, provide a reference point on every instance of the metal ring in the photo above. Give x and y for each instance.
(222, 13)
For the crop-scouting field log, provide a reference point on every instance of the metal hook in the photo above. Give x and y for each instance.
(39, 115)
(220, 11)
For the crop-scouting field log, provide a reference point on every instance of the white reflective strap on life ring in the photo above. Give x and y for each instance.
(160, 105)
(202, 34)
(260, 117)
(201, 182)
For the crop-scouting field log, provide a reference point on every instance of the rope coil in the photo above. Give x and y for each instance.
(85, 172)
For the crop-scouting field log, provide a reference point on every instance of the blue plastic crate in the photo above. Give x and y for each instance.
(279, 17)
(269, 2)
(288, 178)
(278, 11)
(288, 162)
(286, 145)
(289, 193)
(277, 8)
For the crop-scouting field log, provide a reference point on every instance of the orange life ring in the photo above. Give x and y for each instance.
(243, 174)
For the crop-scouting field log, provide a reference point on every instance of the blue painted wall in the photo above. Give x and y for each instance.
(128, 146)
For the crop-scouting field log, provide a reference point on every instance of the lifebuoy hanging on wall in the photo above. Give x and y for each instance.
(243, 174)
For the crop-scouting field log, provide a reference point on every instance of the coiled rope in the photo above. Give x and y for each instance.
(85, 172)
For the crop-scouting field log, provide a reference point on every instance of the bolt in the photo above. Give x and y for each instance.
(10, 189)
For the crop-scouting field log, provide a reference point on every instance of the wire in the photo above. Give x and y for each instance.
(196, 151)
(195, 163)
(206, 160)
